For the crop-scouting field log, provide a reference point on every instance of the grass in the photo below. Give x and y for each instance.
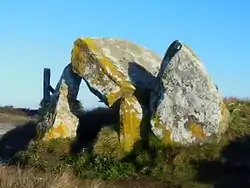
(14, 177)
(223, 164)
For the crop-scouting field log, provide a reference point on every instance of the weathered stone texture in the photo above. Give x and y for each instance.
(130, 122)
(113, 69)
(186, 106)
(59, 121)
(108, 65)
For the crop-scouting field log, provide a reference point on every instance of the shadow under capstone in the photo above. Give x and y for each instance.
(90, 124)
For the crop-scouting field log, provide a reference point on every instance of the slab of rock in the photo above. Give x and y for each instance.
(59, 120)
(130, 122)
(113, 69)
(186, 106)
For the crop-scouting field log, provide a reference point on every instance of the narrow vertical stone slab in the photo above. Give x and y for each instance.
(130, 122)
(186, 106)
(59, 120)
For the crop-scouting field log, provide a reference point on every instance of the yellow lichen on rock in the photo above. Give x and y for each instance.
(78, 58)
(112, 97)
(197, 130)
(160, 128)
(107, 65)
(57, 131)
(165, 133)
(167, 140)
(130, 119)
(86, 55)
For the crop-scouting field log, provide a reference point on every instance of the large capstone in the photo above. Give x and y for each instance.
(114, 69)
(59, 119)
(186, 106)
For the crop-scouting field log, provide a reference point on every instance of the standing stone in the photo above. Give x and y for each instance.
(186, 106)
(130, 122)
(59, 120)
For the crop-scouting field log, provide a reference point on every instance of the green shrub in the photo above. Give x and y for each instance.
(46, 156)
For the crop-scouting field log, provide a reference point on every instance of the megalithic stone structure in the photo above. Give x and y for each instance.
(183, 103)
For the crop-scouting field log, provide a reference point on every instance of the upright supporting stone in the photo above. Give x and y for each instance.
(130, 120)
(60, 120)
(186, 105)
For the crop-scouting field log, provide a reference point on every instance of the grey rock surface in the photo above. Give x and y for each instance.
(59, 119)
(186, 105)
(113, 67)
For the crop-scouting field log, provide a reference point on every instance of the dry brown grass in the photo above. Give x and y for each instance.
(14, 177)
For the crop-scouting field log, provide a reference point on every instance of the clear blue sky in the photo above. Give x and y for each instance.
(38, 34)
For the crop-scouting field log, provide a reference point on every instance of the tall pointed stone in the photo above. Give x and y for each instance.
(60, 120)
(186, 106)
